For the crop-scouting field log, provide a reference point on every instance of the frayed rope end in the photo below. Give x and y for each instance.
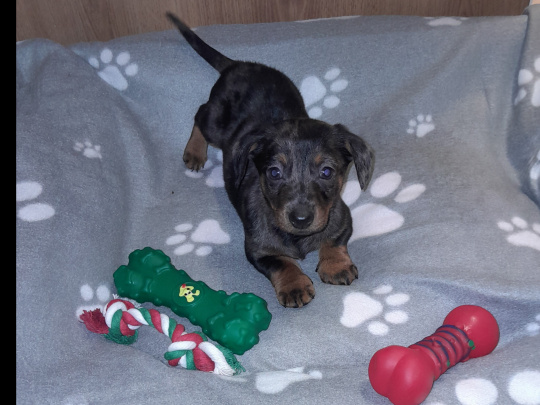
(95, 323)
(231, 360)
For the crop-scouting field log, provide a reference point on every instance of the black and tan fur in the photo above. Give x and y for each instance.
(283, 172)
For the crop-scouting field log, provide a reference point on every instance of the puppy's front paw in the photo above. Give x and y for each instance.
(194, 161)
(296, 294)
(337, 275)
(335, 266)
(293, 288)
(195, 154)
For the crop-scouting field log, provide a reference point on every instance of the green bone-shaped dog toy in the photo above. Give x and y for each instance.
(233, 321)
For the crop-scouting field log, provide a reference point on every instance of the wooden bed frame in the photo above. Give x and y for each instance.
(72, 21)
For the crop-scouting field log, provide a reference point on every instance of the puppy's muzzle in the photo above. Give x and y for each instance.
(301, 216)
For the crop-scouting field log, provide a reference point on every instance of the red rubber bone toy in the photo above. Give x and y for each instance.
(405, 375)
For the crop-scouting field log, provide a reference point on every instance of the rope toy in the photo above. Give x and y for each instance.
(192, 351)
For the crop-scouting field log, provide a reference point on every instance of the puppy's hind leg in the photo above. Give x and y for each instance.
(195, 153)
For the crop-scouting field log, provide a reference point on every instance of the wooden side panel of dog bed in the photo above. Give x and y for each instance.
(71, 21)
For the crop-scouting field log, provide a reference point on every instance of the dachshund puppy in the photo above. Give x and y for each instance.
(283, 171)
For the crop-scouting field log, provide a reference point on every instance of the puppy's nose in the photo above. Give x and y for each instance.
(301, 217)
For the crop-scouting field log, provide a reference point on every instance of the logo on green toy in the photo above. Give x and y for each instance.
(188, 293)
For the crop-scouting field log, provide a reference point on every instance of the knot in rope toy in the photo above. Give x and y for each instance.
(192, 351)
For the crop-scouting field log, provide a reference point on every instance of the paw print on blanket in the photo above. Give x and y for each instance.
(212, 171)
(448, 21)
(208, 232)
(274, 382)
(114, 70)
(314, 90)
(359, 308)
(533, 328)
(526, 79)
(29, 190)
(534, 173)
(101, 293)
(519, 233)
(477, 391)
(421, 125)
(373, 219)
(88, 149)
(523, 388)
(75, 399)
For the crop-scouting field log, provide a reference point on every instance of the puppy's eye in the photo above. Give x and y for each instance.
(326, 173)
(274, 173)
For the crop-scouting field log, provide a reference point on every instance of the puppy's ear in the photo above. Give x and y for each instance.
(248, 147)
(357, 150)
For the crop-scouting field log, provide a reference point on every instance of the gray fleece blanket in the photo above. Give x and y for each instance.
(451, 107)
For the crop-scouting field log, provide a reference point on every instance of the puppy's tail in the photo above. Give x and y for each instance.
(217, 60)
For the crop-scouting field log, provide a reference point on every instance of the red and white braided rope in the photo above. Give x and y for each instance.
(207, 356)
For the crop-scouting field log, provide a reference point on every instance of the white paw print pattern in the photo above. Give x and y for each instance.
(75, 399)
(274, 382)
(519, 233)
(477, 391)
(101, 293)
(421, 125)
(29, 190)
(526, 78)
(523, 387)
(373, 219)
(114, 70)
(445, 21)
(359, 308)
(211, 170)
(207, 233)
(313, 90)
(88, 149)
(534, 174)
(533, 328)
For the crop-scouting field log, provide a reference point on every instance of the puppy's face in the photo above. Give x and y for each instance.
(302, 166)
